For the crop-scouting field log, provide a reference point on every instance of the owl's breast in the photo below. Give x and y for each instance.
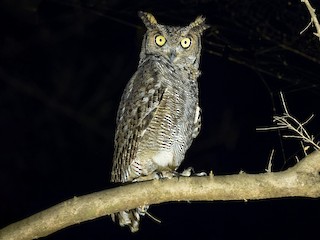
(169, 133)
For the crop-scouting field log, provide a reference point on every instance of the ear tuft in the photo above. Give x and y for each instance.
(148, 19)
(199, 24)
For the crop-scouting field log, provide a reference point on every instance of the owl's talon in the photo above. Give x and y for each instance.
(187, 172)
(190, 172)
(168, 174)
(159, 175)
(200, 174)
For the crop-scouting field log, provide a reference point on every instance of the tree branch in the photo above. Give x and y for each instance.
(302, 180)
(313, 20)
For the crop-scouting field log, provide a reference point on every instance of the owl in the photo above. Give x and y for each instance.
(159, 113)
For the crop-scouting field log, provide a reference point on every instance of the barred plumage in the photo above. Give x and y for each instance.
(159, 113)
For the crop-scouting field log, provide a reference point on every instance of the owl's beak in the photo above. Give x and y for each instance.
(172, 56)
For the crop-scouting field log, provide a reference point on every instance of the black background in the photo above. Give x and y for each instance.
(64, 65)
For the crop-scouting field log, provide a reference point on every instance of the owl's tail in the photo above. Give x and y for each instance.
(130, 218)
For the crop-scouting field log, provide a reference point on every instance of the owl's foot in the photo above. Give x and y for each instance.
(190, 172)
(166, 174)
(144, 178)
(169, 174)
(156, 175)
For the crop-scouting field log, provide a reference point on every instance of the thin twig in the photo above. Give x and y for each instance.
(305, 148)
(283, 101)
(305, 29)
(269, 168)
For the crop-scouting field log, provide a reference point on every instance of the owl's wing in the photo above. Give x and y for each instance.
(138, 106)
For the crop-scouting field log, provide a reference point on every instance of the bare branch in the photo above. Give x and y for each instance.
(301, 180)
(306, 28)
(288, 122)
(305, 148)
(269, 168)
(313, 20)
(283, 101)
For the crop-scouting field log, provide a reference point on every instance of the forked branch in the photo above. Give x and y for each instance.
(287, 122)
(314, 20)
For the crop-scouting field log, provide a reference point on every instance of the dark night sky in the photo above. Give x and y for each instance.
(64, 65)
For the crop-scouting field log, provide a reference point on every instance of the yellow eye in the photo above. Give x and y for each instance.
(185, 43)
(160, 40)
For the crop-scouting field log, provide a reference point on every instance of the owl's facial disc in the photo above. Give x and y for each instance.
(172, 46)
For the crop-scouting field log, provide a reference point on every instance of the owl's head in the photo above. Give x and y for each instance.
(179, 45)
